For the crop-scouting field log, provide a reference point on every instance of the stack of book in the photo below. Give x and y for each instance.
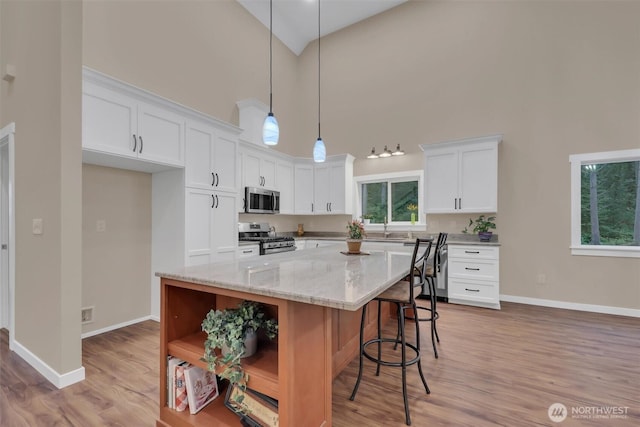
(189, 386)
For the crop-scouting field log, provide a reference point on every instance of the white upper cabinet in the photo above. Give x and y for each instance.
(109, 121)
(117, 122)
(258, 168)
(210, 158)
(284, 184)
(324, 188)
(462, 176)
(333, 182)
(303, 187)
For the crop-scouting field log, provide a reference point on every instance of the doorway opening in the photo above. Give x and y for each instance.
(7, 231)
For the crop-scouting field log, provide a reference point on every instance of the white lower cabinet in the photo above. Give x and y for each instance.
(474, 275)
(211, 232)
(246, 251)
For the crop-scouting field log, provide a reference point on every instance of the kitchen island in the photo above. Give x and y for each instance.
(314, 294)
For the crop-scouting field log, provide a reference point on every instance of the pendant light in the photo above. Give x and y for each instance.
(319, 150)
(270, 129)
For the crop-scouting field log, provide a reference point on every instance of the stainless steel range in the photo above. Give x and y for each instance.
(262, 233)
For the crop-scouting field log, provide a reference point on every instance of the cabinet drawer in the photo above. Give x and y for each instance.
(467, 290)
(247, 251)
(473, 252)
(472, 269)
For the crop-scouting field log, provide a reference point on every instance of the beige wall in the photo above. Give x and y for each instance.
(43, 40)
(116, 262)
(554, 77)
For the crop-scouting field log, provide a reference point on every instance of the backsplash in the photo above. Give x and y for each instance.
(449, 223)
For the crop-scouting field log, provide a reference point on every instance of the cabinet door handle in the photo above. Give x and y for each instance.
(471, 290)
(472, 269)
(311, 207)
(247, 251)
(460, 203)
(330, 207)
(141, 145)
(213, 179)
(217, 202)
(135, 142)
(213, 201)
(217, 179)
(471, 252)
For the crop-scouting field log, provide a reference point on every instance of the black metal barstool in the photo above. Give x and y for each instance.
(402, 295)
(431, 272)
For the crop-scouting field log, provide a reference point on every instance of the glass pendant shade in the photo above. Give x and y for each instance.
(270, 130)
(319, 151)
(373, 154)
(385, 152)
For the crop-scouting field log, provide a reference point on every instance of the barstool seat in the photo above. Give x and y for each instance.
(401, 294)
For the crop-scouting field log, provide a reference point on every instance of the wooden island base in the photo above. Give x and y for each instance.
(314, 344)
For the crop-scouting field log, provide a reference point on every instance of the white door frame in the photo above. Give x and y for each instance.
(7, 139)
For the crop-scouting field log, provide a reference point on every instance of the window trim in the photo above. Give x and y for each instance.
(392, 177)
(577, 160)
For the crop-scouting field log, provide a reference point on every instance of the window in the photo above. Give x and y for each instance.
(605, 203)
(394, 197)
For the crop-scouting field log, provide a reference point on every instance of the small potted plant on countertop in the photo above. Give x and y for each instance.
(482, 226)
(366, 218)
(355, 233)
(234, 332)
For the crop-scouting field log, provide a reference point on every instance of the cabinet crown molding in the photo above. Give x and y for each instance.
(475, 140)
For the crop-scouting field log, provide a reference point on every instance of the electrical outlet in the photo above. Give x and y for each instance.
(87, 315)
(542, 278)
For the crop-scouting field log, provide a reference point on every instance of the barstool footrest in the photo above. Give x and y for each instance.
(386, 362)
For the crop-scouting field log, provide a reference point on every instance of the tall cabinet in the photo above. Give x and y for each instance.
(211, 194)
(462, 176)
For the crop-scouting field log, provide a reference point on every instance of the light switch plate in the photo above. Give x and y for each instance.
(37, 226)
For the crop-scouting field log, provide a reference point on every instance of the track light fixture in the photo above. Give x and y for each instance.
(385, 153)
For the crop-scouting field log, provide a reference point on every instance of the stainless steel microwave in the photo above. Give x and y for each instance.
(261, 200)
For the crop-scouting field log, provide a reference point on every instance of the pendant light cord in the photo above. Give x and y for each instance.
(319, 69)
(271, 56)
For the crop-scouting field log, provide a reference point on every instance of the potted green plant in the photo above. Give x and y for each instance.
(355, 233)
(232, 335)
(366, 218)
(482, 226)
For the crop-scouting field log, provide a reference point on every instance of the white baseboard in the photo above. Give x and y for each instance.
(156, 318)
(605, 309)
(117, 326)
(55, 378)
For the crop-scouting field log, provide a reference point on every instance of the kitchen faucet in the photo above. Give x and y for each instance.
(386, 234)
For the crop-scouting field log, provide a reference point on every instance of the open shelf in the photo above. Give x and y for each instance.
(214, 414)
(261, 367)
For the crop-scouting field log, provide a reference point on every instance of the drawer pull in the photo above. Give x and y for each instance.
(471, 290)
(248, 251)
(471, 252)
(472, 269)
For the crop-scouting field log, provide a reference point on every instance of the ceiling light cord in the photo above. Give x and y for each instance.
(319, 137)
(270, 128)
(319, 149)
(271, 57)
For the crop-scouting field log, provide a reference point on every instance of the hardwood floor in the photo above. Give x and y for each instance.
(495, 368)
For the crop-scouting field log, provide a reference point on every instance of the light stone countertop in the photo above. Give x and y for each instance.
(399, 237)
(320, 276)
